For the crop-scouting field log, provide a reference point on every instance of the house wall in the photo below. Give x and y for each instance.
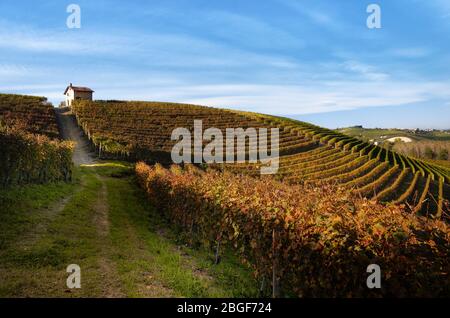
(83, 95)
(71, 95)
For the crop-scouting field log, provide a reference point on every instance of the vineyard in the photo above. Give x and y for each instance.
(31, 113)
(318, 246)
(30, 149)
(308, 154)
(335, 205)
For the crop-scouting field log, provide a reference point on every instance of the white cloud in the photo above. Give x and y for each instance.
(66, 41)
(151, 49)
(189, 66)
(411, 52)
(318, 16)
(13, 70)
(278, 99)
(248, 30)
(302, 98)
(306, 99)
(54, 42)
(29, 87)
(367, 71)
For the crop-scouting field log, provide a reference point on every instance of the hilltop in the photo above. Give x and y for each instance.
(308, 153)
(432, 145)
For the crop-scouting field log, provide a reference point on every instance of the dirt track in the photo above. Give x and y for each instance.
(71, 131)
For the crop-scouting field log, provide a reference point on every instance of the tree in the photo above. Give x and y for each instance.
(443, 154)
(429, 153)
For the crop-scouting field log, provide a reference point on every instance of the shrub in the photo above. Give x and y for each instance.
(321, 240)
(443, 154)
(30, 158)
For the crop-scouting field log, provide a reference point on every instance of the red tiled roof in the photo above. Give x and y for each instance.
(79, 89)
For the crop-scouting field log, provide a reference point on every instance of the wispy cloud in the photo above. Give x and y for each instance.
(319, 98)
(27, 38)
(368, 72)
(316, 15)
(411, 52)
(284, 57)
(249, 31)
(307, 98)
(149, 48)
(13, 70)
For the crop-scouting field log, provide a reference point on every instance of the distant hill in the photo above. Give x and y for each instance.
(381, 134)
(430, 145)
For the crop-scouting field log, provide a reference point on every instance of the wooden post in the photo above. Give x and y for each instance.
(262, 287)
(217, 257)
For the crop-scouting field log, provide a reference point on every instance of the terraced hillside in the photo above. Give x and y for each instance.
(31, 151)
(308, 153)
(143, 129)
(34, 114)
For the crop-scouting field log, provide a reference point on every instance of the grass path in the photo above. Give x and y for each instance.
(103, 223)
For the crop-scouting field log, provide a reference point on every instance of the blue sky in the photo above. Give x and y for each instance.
(313, 60)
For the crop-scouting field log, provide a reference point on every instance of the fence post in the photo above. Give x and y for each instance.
(217, 256)
(262, 287)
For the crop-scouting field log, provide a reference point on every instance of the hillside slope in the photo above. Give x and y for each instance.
(102, 222)
(121, 237)
(31, 151)
(32, 113)
(308, 153)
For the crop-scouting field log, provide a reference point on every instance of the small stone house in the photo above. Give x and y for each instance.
(76, 92)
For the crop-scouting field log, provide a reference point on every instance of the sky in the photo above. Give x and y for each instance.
(315, 60)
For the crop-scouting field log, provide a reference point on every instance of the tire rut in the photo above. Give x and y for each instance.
(111, 288)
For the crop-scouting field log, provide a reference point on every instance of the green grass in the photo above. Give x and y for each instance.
(44, 228)
(20, 207)
(171, 268)
(35, 265)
